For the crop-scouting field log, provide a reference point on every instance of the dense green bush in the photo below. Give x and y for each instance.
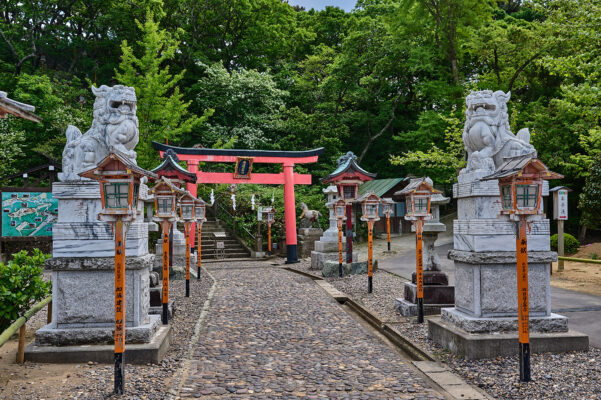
(21, 285)
(570, 243)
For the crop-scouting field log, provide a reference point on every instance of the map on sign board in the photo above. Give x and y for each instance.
(28, 214)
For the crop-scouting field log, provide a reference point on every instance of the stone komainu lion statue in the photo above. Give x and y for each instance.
(487, 137)
(114, 129)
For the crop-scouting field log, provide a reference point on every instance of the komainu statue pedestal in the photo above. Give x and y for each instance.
(83, 270)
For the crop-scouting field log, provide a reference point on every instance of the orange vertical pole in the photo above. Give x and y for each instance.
(523, 304)
(370, 250)
(340, 248)
(419, 273)
(388, 230)
(187, 226)
(199, 251)
(119, 306)
(166, 227)
(269, 239)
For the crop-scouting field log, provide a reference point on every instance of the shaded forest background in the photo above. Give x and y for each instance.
(386, 81)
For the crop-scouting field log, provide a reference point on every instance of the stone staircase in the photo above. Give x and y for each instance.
(232, 247)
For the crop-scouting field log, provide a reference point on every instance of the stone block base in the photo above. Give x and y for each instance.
(435, 294)
(257, 254)
(331, 268)
(329, 246)
(177, 260)
(318, 258)
(68, 336)
(144, 353)
(485, 345)
(158, 310)
(548, 323)
(408, 309)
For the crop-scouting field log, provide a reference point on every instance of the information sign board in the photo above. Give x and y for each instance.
(28, 214)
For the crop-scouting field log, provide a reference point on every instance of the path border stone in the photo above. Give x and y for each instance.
(173, 393)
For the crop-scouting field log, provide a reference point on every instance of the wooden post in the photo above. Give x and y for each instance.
(21, 348)
(370, 250)
(349, 233)
(268, 238)
(166, 256)
(340, 248)
(560, 244)
(187, 232)
(199, 251)
(419, 270)
(119, 306)
(523, 304)
(388, 229)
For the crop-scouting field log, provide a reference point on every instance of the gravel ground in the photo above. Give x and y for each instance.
(95, 381)
(575, 375)
(274, 334)
(386, 286)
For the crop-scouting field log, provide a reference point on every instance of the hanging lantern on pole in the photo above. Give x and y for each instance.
(269, 213)
(200, 214)
(165, 197)
(187, 207)
(520, 188)
(119, 190)
(370, 204)
(418, 196)
(340, 214)
(387, 209)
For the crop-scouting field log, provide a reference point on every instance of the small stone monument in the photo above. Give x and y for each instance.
(437, 292)
(83, 259)
(483, 323)
(327, 246)
(307, 234)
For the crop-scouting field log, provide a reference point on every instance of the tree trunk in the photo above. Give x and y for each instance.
(582, 233)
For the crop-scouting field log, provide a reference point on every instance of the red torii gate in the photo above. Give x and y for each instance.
(288, 177)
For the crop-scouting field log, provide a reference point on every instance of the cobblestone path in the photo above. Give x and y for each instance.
(272, 334)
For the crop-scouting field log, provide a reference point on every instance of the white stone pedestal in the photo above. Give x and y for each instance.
(485, 274)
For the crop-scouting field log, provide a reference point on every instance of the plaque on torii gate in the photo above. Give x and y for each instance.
(288, 178)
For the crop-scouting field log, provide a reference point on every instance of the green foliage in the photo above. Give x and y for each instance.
(162, 111)
(21, 285)
(590, 198)
(441, 164)
(570, 243)
(247, 105)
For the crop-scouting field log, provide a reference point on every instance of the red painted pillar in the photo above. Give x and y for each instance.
(290, 214)
(193, 189)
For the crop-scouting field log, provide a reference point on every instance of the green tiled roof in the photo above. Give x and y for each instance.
(379, 186)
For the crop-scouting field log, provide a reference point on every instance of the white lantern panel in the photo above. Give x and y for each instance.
(526, 196)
